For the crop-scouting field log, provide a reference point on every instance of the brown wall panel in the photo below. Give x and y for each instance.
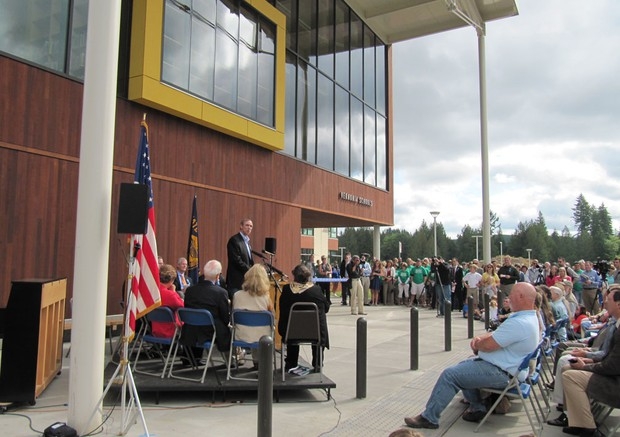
(39, 153)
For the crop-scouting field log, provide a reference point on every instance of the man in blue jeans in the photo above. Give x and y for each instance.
(499, 355)
(443, 285)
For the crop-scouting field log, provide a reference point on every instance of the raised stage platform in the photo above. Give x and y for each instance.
(215, 382)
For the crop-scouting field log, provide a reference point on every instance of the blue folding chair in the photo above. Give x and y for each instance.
(195, 317)
(251, 319)
(163, 315)
(517, 390)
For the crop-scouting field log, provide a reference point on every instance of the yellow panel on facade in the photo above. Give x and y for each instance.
(145, 84)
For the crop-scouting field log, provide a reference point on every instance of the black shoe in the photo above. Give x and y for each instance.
(561, 420)
(560, 408)
(582, 432)
(419, 422)
(550, 385)
(474, 416)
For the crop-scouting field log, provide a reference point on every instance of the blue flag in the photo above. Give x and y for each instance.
(192, 247)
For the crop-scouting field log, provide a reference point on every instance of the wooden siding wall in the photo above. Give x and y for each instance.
(40, 119)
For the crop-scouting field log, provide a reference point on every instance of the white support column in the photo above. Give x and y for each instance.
(90, 276)
(484, 147)
(376, 242)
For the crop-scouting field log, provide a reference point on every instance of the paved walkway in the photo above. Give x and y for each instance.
(392, 392)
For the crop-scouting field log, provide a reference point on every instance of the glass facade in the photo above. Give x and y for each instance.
(51, 34)
(222, 51)
(335, 90)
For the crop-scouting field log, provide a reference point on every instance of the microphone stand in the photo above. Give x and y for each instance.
(270, 269)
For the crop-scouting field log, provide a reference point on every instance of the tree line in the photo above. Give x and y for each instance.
(594, 238)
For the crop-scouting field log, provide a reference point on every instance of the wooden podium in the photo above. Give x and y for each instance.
(32, 345)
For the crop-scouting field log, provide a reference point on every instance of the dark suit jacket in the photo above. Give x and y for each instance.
(206, 295)
(604, 385)
(239, 262)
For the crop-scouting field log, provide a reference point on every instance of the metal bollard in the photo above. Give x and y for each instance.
(361, 358)
(500, 298)
(447, 311)
(414, 337)
(265, 386)
(486, 312)
(470, 317)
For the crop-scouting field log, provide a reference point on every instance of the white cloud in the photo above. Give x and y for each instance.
(552, 118)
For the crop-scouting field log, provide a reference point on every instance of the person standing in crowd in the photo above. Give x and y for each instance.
(456, 276)
(498, 356)
(403, 278)
(354, 270)
(591, 283)
(376, 276)
(324, 271)
(302, 289)
(472, 282)
(508, 276)
(346, 286)
(443, 289)
(388, 284)
(418, 276)
(366, 272)
(239, 256)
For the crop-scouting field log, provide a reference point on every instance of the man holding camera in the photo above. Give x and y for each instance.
(591, 283)
(443, 286)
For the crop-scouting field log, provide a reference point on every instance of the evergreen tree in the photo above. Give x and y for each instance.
(582, 215)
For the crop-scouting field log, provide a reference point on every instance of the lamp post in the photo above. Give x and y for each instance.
(341, 249)
(501, 250)
(529, 257)
(435, 214)
(476, 237)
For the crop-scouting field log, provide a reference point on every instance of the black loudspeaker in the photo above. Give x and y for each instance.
(270, 245)
(133, 208)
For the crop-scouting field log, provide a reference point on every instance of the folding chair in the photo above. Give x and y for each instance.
(196, 317)
(517, 390)
(303, 328)
(164, 315)
(253, 319)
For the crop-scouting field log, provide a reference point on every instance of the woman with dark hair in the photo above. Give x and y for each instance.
(302, 289)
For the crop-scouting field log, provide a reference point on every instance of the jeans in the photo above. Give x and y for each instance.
(444, 293)
(470, 376)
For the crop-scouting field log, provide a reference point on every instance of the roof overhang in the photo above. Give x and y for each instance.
(400, 20)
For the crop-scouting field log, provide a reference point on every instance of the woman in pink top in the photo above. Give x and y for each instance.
(169, 298)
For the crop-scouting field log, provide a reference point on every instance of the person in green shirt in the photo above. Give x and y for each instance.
(418, 278)
(402, 279)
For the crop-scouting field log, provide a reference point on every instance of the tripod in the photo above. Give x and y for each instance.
(130, 401)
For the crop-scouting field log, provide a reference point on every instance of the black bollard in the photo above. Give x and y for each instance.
(486, 311)
(447, 310)
(265, 386)
(361, 358)
(500, 298)
(414, 337)
(470, 317)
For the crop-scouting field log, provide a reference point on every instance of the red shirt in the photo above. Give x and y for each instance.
(170, 299)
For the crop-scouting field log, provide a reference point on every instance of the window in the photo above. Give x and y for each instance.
(335, 90)
(307, 231)
(224, 52)
(46, 33)
(333, 232)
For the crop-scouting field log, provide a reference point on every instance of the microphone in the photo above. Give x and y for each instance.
(136, 248)
(268, 253)
(258, 254)
(278, 271)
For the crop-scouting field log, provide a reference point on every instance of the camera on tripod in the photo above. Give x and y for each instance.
(602, 268)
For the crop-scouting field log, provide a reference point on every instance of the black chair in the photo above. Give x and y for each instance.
(303, 328)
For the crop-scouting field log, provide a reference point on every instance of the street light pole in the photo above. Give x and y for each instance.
(529, 257)
(435, 214)
(501, 250)
(476, 237)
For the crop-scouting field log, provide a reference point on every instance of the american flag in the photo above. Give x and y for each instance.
(144, 295)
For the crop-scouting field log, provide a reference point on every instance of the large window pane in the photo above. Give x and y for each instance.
(289, 9)
(357, 67)
(381, 85)
(370, 176)
(369, 67)
(325, 47)
(341, 43)
(79, 20)
(306, 112)
(325, 123)
(175, 57)
(35, 31)
(357, 139)
(202, 68)
(225, 70)
(306, 25)
(381, 153)
(291, 97)
(248, 62)
(342, 132)
(266, 74)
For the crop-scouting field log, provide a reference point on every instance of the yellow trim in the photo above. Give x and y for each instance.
(145, 84)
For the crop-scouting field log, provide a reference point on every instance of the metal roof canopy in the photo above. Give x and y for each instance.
(400, 20)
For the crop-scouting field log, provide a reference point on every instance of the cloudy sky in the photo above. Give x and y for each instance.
(553, 96)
